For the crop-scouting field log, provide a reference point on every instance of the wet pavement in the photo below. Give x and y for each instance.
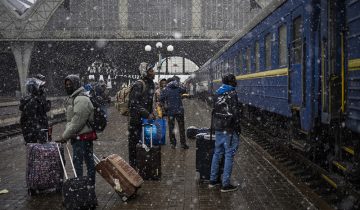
(261, 186)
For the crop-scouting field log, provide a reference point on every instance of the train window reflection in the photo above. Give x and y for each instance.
(268, 51)
(283, 46)
(257, 56)
(297, 40)
(248, 60)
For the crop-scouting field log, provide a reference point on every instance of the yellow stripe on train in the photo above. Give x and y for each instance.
(263, 74)
(354, 64)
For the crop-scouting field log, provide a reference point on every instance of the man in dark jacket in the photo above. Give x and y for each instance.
(226, 119)
(171, 99)
(33, 120)
(140, 106)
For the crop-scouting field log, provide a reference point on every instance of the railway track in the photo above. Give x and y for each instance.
(326, 190)
(14, 129)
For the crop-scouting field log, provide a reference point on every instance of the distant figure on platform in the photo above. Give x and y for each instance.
(102, 95)
(140, 106)
(159, 108)
(226, 119)
(171, 99)
(33, 121)
(79, 112)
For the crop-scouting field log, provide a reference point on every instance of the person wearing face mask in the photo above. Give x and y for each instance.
(33, 121)
(79, 112)
(140, 106)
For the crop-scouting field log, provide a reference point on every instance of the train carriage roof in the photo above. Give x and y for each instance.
(272, 6)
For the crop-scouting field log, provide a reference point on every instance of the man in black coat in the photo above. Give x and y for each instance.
(140, 106)
(33, 120)
(170, 97)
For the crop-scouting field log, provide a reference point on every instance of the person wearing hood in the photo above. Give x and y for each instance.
(170, 97)
(140, 106)
(226, 122)
(79, 112)
(33, 121)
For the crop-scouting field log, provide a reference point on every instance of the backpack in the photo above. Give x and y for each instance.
(122, 98)
(100, 119)
(223, 118)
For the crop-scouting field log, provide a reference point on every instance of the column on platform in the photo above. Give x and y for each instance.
(123, 19)
(22, 53)
(196, 17)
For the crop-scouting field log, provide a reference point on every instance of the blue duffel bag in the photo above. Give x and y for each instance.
(158, 131)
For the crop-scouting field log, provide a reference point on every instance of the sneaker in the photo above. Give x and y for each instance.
(173, 146)
(213, 184)
(229, 188)
(184, 146)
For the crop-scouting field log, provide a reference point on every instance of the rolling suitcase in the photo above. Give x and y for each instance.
(205, 145)
(77, 192)
(43, 167)
(148, 159)
(120, 175)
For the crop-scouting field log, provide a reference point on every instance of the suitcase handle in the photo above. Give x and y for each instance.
(62, 161)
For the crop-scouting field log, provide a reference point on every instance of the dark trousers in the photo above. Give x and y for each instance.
(83, 151)
(171, 122)
(134, 138)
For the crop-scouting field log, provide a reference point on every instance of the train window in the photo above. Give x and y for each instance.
(248, 59)
(257, 56)
(234, 66)
(283, 46)
(297, 40)
(268, 51)
(241, 62)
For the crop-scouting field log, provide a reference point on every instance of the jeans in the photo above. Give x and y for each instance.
(171, 122)
(134, 138)
(224, 143)
(83, 151)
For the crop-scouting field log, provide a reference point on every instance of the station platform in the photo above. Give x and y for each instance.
(261, 186)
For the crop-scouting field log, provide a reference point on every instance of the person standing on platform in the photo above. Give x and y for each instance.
(159, 108)
(226, 122)
(140, 106)
(79, 112)
(33, 120)
(171, 99)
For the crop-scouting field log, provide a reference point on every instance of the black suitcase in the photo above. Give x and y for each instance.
(204, 154)
(205, 144)
(148, 159)
(77, 192)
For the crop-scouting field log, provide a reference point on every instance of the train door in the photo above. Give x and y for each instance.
(296, 60)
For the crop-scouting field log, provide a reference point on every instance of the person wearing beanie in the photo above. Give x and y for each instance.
(140, 106)
(79, 111)
(226, 122)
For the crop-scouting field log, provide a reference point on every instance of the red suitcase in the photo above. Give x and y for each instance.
(120, 175)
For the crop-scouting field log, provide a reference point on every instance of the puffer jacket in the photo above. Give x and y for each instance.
(170, 97)
(141, 101)
(79, 110)
(226, 96)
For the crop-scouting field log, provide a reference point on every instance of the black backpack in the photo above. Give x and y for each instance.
(222, 115)
(100, 119)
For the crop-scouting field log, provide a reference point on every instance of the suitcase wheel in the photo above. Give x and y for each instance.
(124, 198)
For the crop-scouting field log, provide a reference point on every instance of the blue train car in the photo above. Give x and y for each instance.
(298, 65)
